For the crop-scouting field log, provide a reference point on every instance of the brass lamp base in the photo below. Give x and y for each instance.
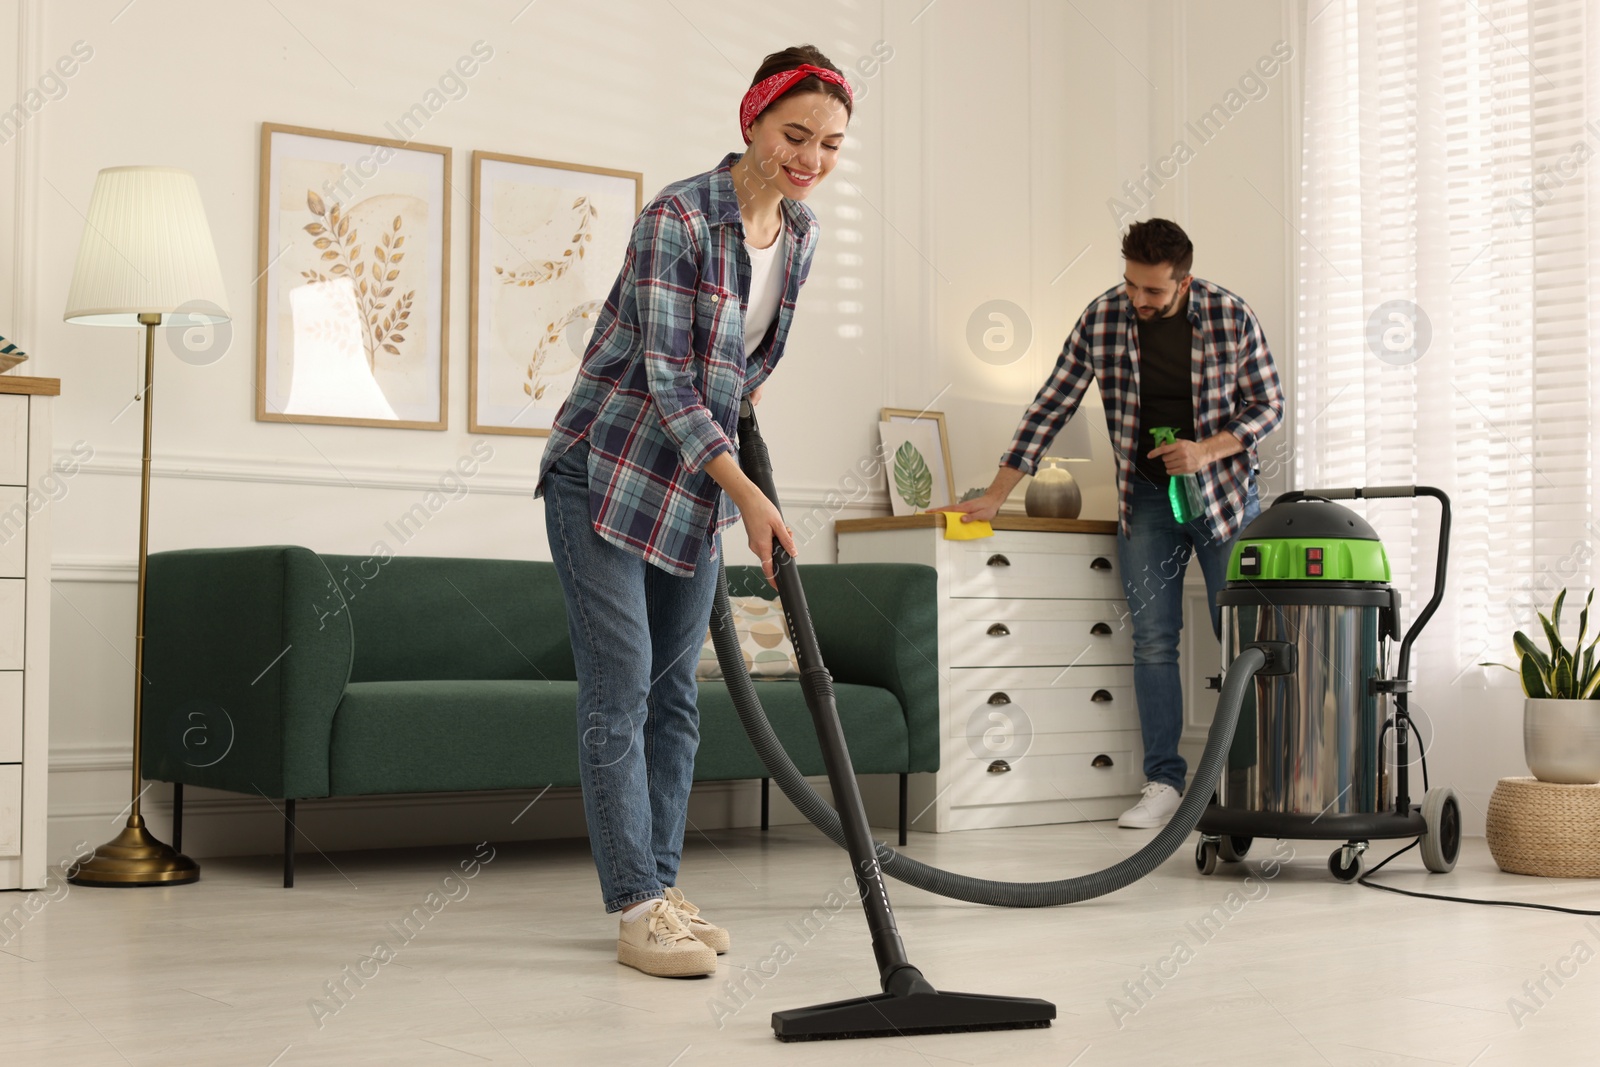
(135, 858)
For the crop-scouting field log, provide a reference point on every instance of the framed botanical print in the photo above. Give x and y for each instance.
(922, 435)
(547, 242)
(353, 291)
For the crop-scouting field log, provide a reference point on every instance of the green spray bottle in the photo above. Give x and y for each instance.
(1183, 491)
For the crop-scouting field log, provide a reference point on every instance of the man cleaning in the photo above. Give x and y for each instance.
(1183, 361)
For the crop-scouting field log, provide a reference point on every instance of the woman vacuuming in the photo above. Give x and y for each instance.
(641, 475)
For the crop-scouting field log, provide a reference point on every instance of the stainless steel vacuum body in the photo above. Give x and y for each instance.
(1308, 742)
(1311, 758)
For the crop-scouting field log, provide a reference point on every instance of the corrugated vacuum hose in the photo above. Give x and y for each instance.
(960, 886)
(757, 466)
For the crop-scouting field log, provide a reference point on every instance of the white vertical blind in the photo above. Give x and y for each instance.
(1451, 158)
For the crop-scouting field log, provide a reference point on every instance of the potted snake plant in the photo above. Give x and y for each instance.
(1561, 717)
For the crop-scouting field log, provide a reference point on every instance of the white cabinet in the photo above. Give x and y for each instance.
(1038, 722)
(25, 497)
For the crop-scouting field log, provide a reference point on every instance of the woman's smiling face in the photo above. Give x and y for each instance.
(796, 142)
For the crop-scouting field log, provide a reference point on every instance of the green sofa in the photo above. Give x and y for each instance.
(279, 672)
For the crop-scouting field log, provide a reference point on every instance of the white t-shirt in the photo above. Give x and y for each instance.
(766, 289)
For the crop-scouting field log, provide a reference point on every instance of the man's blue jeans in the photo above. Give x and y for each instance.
(636, 635)
(1153, 557)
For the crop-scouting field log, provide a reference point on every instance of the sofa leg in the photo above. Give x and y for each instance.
(766, 784)
(288, 844)
(903, 827)
(177, 816)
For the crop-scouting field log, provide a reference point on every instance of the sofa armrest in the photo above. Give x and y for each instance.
(247, 652)
(877, 624)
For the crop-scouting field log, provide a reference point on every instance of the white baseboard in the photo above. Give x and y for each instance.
(230, 824)
(219, 823)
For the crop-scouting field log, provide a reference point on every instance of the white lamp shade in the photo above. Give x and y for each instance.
(146, 248)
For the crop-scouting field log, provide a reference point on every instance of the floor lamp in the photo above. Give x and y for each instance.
(146, 260)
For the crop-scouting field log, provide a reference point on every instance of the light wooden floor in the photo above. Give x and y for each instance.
(516, 965)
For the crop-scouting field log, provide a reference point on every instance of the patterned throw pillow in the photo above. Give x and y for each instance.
(764, 638)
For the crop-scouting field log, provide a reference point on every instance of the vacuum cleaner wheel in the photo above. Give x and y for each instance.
(1441, 810)
(1234, 848)
(1344, 863)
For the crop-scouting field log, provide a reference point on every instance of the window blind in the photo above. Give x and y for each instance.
(1447, 294)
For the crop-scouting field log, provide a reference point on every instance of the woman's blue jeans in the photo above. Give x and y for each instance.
(1153, 556)
(636, 635)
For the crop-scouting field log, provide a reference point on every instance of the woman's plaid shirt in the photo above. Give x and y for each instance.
(658, 390)
(1235, 389)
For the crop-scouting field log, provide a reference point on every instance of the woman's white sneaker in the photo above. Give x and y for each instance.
(1155, 807)
(658, 943)
(700, 927)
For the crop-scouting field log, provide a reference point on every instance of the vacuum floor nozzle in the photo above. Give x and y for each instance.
(893, 1015)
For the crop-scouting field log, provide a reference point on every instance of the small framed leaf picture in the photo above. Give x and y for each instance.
(353, 282)
(916, 460)
(548, 240)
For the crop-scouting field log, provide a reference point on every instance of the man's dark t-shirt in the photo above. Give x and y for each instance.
(1166, 395)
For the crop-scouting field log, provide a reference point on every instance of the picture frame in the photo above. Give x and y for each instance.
(896, 415)
(353, 282)
(548, 239)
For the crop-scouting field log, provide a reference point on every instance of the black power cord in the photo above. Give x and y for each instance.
(1440, 896)
(1458, 900)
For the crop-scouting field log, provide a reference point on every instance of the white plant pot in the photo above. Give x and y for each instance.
(1561, 740)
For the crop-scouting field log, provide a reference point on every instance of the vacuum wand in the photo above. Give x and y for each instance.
(817, 685)
(909, 1004)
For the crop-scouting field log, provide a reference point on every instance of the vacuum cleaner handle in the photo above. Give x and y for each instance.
(1440, 568)
(1369, 492)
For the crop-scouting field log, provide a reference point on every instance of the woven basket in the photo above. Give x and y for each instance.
(1545, 829)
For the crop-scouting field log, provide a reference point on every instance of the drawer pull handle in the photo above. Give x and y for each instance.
(997, 560)
(999, 698)
(1101, 696)
(1000, 629)
(999, 766)
(1100, 563)
(1102, 760)
(1100, 629)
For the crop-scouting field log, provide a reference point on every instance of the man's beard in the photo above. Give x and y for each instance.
(1163, 312)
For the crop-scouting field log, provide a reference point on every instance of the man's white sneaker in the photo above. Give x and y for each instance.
(1154, 808)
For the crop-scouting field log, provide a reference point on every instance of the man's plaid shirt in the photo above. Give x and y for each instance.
(658, 390)
(1235, 389)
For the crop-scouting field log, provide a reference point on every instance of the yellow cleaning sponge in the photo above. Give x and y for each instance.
(956, 530)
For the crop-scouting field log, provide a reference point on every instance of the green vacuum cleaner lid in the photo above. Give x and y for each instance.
(1308, 539)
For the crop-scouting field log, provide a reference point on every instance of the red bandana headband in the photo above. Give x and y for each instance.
(763, 93)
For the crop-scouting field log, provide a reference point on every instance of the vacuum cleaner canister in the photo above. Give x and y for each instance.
(1308, 584)
(1311, 575)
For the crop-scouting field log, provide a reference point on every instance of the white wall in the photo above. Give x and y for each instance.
(11, 15)
(980, 161)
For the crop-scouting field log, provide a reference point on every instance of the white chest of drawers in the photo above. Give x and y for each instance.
(25, 498)
(1038, 722)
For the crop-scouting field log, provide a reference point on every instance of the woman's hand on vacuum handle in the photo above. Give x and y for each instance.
(762, 521)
